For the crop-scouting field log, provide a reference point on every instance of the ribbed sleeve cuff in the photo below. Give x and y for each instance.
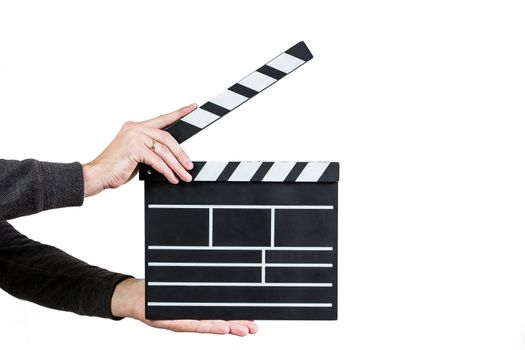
(63, 185)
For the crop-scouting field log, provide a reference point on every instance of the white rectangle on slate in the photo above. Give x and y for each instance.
(197, 264)
(257, 81)
(210, 227)
(239, 284)
(285, 63)
(312, 171)
(162, 303)
(198, 247)
(200, 118)
(228, 99)
(245, 171)
(217, 170)
(278, 171)
(211, 171)
(208, 264)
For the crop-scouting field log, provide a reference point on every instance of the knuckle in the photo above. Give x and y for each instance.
(128, 125)
(166, 137)
(177, 150)
(160, 148)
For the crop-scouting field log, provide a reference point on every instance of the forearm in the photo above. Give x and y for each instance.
(30, 186)
(50, 277)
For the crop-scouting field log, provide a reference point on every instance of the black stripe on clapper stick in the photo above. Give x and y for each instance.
(261, 172)
(300, 50)
(295, 172)
(243, 90)
(187, 130)
(228, 171)
(215, 109)
(331, 173)
(271, 72)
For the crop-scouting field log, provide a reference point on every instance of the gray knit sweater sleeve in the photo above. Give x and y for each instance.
(38, 272)
(30, 186)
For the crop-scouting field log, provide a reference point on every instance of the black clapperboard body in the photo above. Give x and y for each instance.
(243, 240)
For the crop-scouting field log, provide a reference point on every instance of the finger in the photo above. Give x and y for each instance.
(238, 329)
(149, 157)
(206, 326)
(214, 326)
(168, 140)
(252, 327)
(167, 119)
(171, 161)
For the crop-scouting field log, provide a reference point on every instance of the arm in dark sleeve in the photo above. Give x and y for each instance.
(48, 276)
(30, 186)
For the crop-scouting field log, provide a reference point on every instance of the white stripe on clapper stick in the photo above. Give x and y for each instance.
(228, 99)
(245, 171)
(285, 63)
(200, 118)
(312, 171)
(257, 81)
(210, 171)
(278, 172)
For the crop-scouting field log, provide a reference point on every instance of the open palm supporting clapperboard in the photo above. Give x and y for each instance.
(243, 240)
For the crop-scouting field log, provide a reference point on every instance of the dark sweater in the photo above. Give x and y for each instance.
(38, 272)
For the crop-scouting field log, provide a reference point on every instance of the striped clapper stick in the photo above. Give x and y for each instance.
(240, 92)
(243, 240)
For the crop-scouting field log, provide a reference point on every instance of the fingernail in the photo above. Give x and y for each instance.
(189, 163)
(189, 178)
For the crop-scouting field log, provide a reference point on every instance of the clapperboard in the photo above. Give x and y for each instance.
(243, 240)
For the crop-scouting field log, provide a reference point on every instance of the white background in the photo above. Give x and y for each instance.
(422, 102)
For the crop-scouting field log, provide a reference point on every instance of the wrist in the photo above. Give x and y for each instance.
(92, 184)
(124, 296)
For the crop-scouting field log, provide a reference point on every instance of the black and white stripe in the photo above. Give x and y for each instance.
(240, 92)
(252, 171)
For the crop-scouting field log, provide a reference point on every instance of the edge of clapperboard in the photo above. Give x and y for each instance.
(330, 174)
(146, 172)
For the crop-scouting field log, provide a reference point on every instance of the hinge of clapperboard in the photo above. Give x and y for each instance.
(239, 93)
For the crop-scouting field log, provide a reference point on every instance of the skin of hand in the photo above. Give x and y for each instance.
(128, 301)
(139, 142)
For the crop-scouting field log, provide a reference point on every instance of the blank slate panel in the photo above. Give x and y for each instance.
(241, 227)
(298, 227)
(192, 226)
(249, 240)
